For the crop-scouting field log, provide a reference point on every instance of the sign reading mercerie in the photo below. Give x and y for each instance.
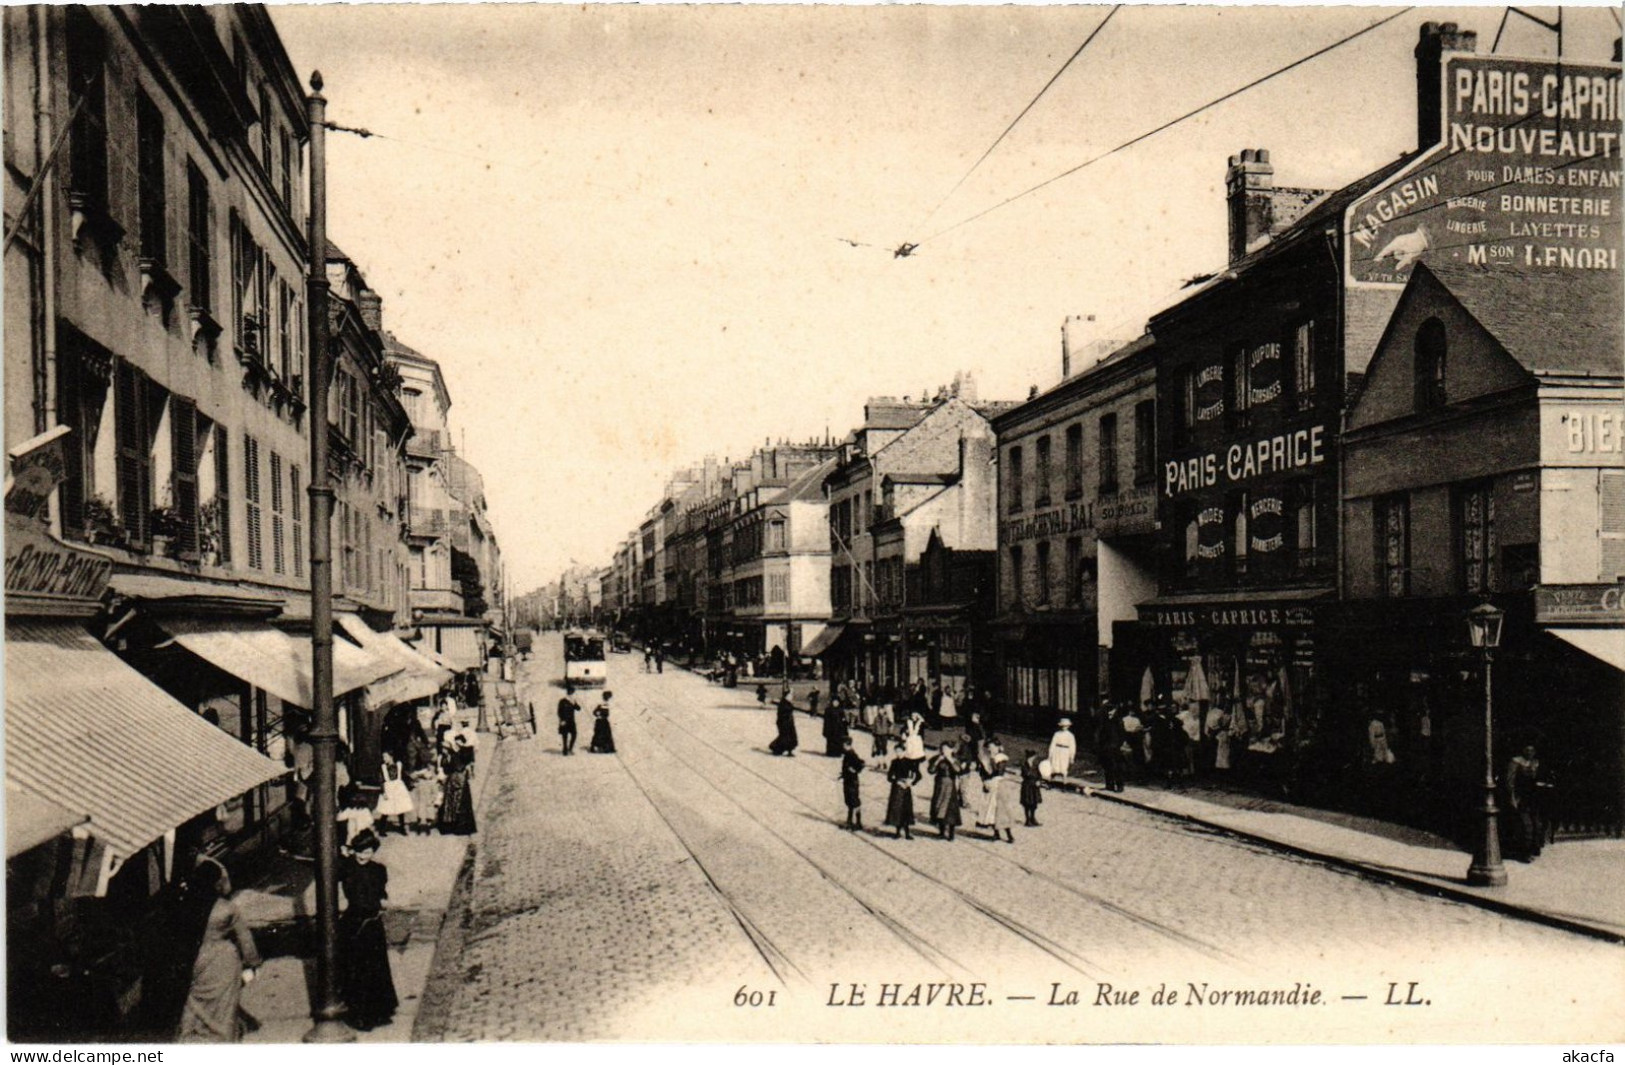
(1527, 175)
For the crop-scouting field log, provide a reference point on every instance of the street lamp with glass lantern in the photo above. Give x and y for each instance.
(1484, 630)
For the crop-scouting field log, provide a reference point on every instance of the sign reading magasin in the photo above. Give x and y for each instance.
(1527, 174)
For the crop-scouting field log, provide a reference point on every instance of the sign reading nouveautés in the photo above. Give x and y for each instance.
(1527, 175)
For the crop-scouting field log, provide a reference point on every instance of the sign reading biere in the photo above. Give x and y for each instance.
(1527, 175)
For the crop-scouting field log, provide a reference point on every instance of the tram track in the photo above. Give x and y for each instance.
(1175, 935)
(920, 943)
(1012, 925)
(917, 943)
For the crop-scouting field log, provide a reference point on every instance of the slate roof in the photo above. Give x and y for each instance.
(1327, 210)
(1566, 322)
(809, 486)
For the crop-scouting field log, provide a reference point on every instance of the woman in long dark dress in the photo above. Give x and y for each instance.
(457, 794)
(851, 776)
(903, 775)
(603, 738)
(787, 741)
(945, 767)
(834, 729)
(367, 985)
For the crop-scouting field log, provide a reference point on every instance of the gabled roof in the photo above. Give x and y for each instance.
(809, 486)
(1558, 322)
(895, 416)
(1328, 210)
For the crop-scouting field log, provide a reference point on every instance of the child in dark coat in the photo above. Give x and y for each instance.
(1031, 790)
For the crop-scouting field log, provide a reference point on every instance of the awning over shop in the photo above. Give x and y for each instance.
(823, 641)
(432, 655)
(87, 732)
(418, 678)
(272, 660)
(1607, 645)
(31, 820)
(459, 645)
(161, 592)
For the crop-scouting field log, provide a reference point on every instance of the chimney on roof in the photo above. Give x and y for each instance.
(1067, 347)
(371, 306)
(1434, 40)
(1248, 184)
(1616, 49)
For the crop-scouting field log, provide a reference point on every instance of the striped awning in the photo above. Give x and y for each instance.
(272, 660)
(823, 641)
(31, 820)
(459, 645)
(88, 733)
(418, 678)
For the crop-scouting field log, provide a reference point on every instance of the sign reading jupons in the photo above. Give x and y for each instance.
(1527, 175)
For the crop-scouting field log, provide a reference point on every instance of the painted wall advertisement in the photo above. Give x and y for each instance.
(1527, 175)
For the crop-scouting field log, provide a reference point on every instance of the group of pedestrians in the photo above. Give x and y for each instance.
(973, 779)
(227, 959)
(428, 783)
(603, 736)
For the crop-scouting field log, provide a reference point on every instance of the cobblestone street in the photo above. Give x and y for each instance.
(634, 896)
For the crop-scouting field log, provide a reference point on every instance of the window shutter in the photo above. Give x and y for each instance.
(134, 461)
(1611, 492)
(238, 274)
(251, 492)
(222, 492)
(70, 400)
(278, 533)
(183, 436)
(294, 493)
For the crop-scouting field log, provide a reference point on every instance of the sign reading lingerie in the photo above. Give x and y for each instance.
(1526, 175)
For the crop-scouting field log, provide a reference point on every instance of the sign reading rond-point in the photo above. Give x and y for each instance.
(1526, 175)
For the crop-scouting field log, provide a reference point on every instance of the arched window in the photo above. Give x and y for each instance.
(1429, 365)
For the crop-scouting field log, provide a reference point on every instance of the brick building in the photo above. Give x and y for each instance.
(1077, 472)
(1510, 381)
(922, 447)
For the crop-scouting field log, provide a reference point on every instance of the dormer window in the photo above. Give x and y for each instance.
(1429, 365)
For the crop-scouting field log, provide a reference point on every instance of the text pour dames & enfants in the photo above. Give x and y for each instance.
(1240, 462)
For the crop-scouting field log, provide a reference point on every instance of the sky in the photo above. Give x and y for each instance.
(637, 235)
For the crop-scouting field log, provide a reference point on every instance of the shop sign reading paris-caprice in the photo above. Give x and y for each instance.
(1290, 450)
(1527, 175)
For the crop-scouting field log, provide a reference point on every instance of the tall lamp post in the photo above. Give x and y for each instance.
(326, 1005)
(1484, 629)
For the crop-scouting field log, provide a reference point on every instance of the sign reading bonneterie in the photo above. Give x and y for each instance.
(1527, 175)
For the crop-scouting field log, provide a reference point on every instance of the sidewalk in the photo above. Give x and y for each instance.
(1574, 884)
(281, 904)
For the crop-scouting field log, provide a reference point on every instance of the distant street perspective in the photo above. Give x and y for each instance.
(760, 523)
(634, 895)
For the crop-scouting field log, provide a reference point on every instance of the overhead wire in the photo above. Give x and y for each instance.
(1030, 105)
(1173, 122)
